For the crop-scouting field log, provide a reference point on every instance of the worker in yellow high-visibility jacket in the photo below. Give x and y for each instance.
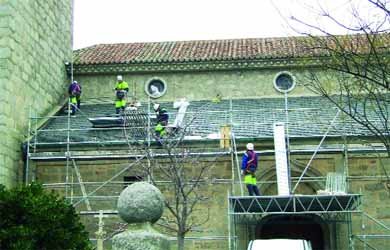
(121, 90)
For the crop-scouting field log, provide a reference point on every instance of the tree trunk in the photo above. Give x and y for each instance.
(180, 241)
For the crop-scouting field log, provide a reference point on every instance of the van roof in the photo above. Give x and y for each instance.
(291, 244)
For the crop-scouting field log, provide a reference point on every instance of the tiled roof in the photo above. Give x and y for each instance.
(193, 51)
(251, 118)
(222, 50)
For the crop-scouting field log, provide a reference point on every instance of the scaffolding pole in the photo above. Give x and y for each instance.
(287, 139)
(231, 220)
(27, 168)
(237, 163)
(229, 224)
(316, 150)
(112, 178)
(67, 151)
(82, 187)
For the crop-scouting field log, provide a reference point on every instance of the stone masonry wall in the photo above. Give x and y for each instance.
(196, 85)
(35, 41)
(366, 176)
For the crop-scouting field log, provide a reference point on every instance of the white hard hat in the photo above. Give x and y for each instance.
(156, 106)
(75, 82)
(119, 78)
(250, 146)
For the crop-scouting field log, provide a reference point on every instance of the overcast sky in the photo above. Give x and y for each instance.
(126, 21)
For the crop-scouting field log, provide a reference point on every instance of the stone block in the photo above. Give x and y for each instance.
(5, 10)
(374, 186)
(383, 212)
(5, 52)
(140, 238)
(4, 72)
(4, 22)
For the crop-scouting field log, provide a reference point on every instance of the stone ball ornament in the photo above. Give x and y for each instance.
(140, 202)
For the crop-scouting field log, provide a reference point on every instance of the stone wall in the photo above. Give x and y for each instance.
(366, 176)
(35, 41)
(196, 85)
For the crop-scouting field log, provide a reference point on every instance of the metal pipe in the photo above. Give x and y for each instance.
(67, 153)
(112, 178)
(200, 140)
(201, 238)
(105, 212)
(28, 149)
(217, 181)
(97, 197)
(377, 221)
(287, 139)
(317, 148)
(149, 142)
(237, 163)
(35, 133)
(187, 238)
(124, 156)
(232, 150)
(229, 225)
(213, 111)
(372, 236)
(218, 153)
(118, 127)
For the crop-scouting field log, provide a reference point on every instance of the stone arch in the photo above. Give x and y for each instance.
(296, 170)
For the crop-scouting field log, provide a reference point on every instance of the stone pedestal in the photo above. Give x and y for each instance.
(140, 236)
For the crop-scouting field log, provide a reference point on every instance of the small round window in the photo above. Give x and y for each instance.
(284, 82)
(155, 87)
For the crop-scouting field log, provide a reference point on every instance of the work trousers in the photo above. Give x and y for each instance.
(251, 185)
(160, 130)
(120, 104)
(75, 103)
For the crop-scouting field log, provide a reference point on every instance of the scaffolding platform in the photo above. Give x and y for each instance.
(292, 204)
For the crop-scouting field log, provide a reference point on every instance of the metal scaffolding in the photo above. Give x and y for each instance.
(71, 152)
(295, 204)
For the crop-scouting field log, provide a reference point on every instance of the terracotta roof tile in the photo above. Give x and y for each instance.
(208, 50)
(184, 51)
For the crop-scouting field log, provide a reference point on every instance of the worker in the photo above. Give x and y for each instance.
(74, 92)
(217, 98)
(162, 121)
(121, 90)
(248, 169)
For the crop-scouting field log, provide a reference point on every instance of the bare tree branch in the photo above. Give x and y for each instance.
(185, 175)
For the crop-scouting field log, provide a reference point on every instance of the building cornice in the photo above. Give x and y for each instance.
(268, 63)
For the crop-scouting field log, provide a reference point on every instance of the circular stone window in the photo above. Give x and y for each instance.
(155, 87)
(284, 82)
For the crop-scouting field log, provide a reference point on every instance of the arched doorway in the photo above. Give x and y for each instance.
(309, 227)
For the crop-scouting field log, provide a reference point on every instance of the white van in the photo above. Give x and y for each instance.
(282, 244)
